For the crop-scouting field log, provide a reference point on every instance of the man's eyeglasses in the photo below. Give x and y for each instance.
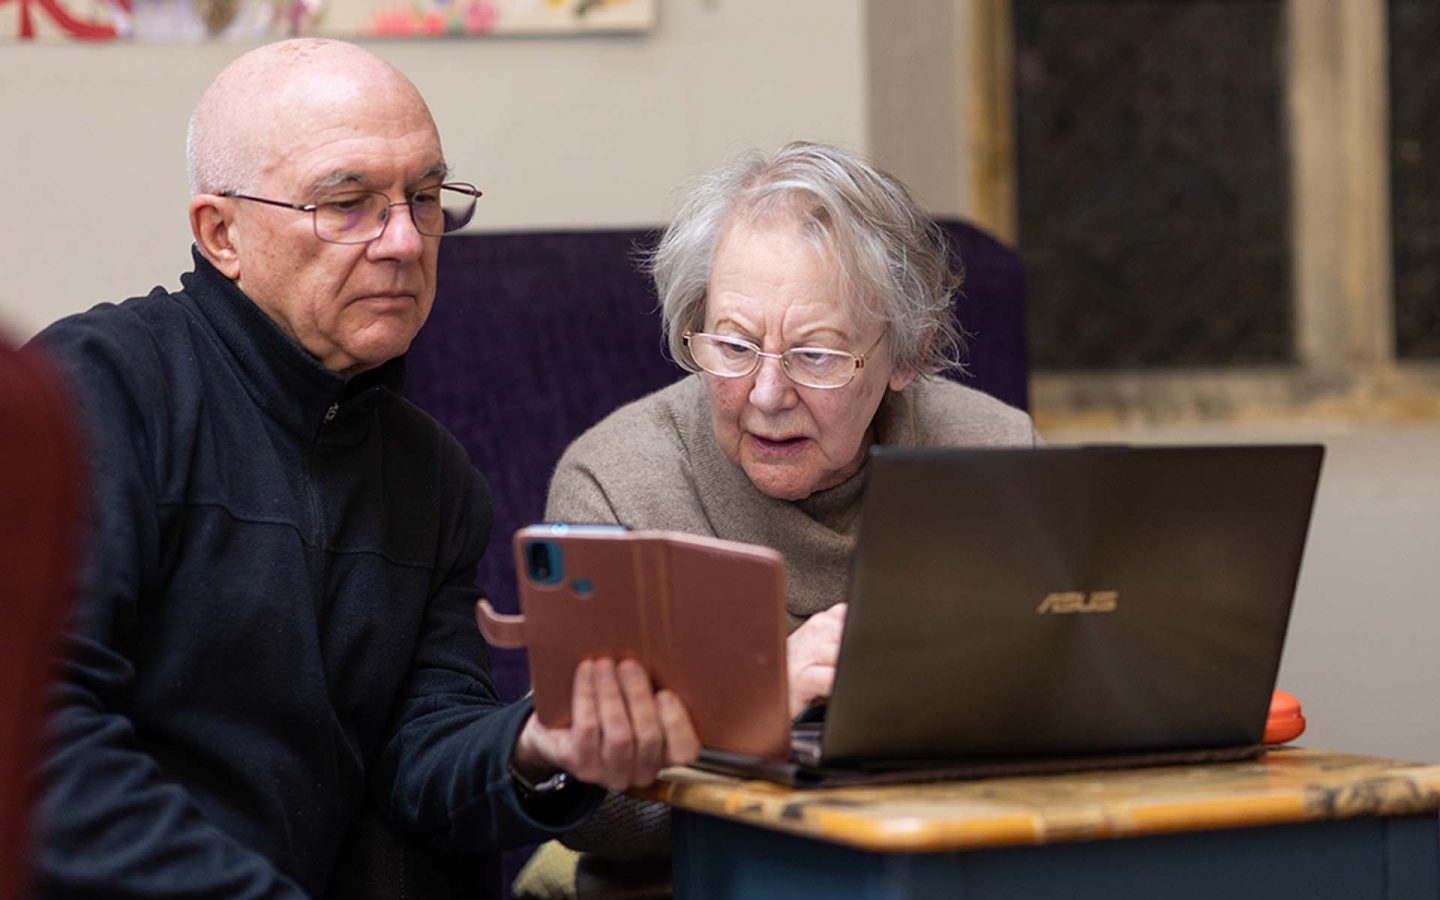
(359, 217)
(816, 367)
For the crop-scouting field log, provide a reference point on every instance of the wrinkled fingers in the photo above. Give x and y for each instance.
(649, 738)
(809, 684)
(682, 745)
(617, 739)
(582, 744)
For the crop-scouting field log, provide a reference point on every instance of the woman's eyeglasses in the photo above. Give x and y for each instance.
(817, 367)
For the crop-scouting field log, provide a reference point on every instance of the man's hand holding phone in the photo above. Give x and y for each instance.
(622, 732)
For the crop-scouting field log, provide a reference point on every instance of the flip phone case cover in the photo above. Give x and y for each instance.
(704, 616)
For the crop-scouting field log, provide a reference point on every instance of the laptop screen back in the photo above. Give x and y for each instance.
(1067, 601)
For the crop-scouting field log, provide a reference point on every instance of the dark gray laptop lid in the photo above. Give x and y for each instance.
(1063, 601)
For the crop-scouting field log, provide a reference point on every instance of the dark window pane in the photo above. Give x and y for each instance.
(1153, 183)
(1415, 175)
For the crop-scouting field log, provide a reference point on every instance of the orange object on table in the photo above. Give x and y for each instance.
(1286, 722)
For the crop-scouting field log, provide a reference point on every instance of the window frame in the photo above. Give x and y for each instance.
(1337, 113)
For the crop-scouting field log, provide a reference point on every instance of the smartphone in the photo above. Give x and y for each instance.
(706, 617)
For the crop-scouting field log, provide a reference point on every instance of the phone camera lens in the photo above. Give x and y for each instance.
(542, 560)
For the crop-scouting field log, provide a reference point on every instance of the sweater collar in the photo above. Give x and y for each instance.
(280, 376)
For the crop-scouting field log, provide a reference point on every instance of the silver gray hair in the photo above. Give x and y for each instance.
(891, 256)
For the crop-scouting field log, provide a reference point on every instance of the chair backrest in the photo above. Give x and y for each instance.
(40, 482)
(536, 337)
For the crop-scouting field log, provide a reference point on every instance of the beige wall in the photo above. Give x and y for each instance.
(584, 132)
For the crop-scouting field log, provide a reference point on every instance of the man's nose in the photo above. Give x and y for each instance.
(399, 238)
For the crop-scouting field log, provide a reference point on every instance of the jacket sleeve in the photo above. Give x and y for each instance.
(445, 769)
(109, 823)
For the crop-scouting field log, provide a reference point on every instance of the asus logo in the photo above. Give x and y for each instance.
(1059, 602)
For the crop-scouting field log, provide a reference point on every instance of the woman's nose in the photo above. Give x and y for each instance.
(772, 389)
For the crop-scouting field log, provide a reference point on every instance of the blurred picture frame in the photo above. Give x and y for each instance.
(182, 21)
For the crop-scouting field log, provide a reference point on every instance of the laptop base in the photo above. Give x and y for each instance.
(794, 773)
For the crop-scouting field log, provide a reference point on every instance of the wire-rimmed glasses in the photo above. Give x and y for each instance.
(359, 217)
(817, 367)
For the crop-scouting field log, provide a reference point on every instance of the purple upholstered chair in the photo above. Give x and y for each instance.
(536, 337)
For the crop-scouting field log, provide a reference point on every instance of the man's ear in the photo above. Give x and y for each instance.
(214, 231)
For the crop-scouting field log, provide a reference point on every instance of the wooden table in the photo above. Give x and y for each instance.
(1294, 823)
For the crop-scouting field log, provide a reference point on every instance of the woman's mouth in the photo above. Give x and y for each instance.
(781, 446)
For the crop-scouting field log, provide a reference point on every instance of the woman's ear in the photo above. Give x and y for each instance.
(901, 376)
(900, 379)
(213, 226)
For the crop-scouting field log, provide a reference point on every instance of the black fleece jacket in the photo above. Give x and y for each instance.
(275, 617)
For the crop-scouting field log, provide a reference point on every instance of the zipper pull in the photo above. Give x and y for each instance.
(330, 413)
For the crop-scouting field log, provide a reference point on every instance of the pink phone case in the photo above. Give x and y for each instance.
(704, 616)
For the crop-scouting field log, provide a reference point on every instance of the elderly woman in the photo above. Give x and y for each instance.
(812, 300)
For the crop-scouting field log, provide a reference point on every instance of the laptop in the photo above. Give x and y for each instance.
(1055, 609)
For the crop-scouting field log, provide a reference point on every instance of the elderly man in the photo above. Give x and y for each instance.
(274, 628)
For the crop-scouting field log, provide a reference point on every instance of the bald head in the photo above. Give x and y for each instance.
(256, 104)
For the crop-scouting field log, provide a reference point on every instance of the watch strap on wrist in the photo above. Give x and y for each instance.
(546, 786)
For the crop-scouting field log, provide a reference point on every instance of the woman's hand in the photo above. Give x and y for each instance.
(621, 732)
(811, 652)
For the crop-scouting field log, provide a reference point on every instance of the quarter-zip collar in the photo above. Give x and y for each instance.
(278, 374)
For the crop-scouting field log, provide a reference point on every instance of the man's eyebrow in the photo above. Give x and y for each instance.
(336, 179)
(438, 172)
